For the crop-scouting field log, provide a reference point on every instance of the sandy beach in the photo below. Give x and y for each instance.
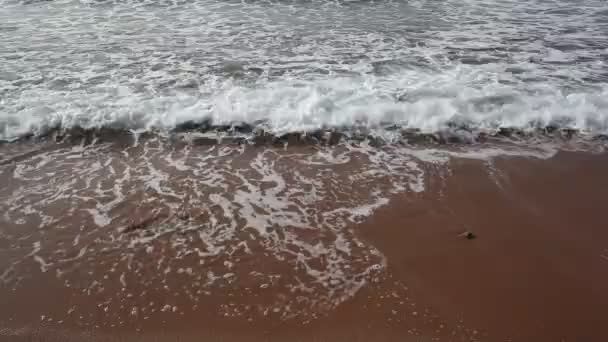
(303, 170)
(533, 269)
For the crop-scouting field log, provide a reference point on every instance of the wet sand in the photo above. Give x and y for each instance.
(536, 271)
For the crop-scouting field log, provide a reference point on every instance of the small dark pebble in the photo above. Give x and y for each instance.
(468, 235)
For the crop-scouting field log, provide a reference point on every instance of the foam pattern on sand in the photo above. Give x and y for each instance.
(144, 215)
(221, 216)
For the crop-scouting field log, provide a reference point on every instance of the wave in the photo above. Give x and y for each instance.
(463, 98)
(391, 65)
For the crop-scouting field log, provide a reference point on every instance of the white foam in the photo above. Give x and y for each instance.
(43, 265)
(287, 106)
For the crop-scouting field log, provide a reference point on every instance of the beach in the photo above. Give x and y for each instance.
(307, 170)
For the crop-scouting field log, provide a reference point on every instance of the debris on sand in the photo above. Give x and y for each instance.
(468, 235)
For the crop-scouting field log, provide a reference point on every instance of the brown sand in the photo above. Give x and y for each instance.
(537, 271)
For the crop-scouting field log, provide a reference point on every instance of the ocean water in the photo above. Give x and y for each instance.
(171, 175)
(303, 65)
